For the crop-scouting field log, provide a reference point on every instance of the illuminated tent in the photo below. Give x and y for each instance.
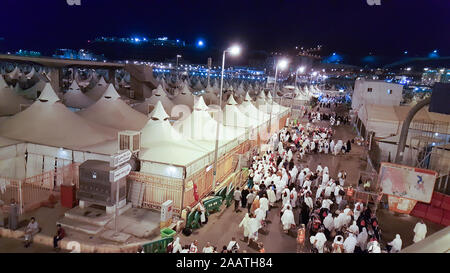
(250, 110)
(113, 112)
(185, 97)
(232, 116)
(49, 122)
(200, 128)
(161, 143)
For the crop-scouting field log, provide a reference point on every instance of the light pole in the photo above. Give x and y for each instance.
(178, 56)
(234, 50)
(282, 64)
(301, 69)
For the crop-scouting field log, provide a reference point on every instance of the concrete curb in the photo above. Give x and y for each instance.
(68, 244)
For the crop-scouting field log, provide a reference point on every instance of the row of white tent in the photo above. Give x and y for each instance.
(94, 130)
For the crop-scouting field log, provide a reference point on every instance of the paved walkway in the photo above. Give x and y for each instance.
(222, 226)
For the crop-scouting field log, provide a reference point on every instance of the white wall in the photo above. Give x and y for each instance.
(379, 94)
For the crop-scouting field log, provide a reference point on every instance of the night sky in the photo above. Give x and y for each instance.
(345, 26)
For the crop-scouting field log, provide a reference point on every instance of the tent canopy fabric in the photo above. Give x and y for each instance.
(97, 92)
(113, 112)
(9, 101)
(160, 142)
(49, 122)
(75, 98)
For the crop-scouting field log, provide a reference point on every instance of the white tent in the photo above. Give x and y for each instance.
(15, 74)
(201, 128)
(250, 110)
(158, 95)
(113, 112)
(210, 97)
(161, 143)
(185, 97)
(232, 116)
(9, 101)
(97, 92)
(49, 122)
(75, 98)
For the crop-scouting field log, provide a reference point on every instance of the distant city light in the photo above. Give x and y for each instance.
(200, 43)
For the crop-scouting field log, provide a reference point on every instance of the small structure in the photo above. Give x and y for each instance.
(98, 186)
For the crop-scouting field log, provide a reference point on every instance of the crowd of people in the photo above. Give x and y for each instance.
(330, 220)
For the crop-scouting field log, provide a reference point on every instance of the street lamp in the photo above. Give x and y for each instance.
(234, 51)
(282, 64)
(178, 56)
(301, 69)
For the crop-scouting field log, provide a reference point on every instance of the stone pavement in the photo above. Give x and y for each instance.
(133, 221)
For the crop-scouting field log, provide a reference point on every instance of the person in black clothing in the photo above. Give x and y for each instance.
(244, 194)
(304, 214)
(279, 160)
(60, 234)
(291, 164)
(349, 146)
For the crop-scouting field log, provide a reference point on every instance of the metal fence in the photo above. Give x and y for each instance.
(31, 192)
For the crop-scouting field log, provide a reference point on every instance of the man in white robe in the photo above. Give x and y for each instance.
(285, 195)
(332, 144)
(350, 243)
(396, 244)
(326, 203)
(354, 228)
(260, 214)
(294, 196)
(358, 210)
(271, 196)
(420, 231)
(362, 239)
(253, 226)
(319, 241)
(177, 248)
(301, 178)
(264, 205)
(287, 219)
(245, 224)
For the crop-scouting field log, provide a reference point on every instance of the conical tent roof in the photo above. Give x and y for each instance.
(232, 116)
(97, 92)
(49, 122)
(113, 112)
(231, 100)
(200, 105)
(15, 74)
(9, 100)
(158, 112)
(200, 128)
(75, 98)
(160, 91)
(185, 97)
(158, 95)
(250, 110)
(160, 142)
(48, 94)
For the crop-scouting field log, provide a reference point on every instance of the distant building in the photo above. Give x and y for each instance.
(430, 76)
(376, 92)
(81, 54)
